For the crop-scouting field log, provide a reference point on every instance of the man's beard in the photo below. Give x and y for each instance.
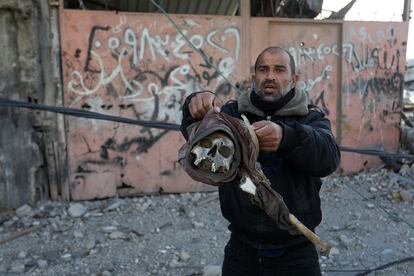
(273, 98)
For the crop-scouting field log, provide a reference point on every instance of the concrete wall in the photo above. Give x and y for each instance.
(138, 66)
(32, 146)
(353, 71)
(23, 176)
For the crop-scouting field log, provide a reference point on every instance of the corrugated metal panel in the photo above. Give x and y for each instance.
(216, 7)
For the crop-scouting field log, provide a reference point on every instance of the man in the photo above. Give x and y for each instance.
(296, 149)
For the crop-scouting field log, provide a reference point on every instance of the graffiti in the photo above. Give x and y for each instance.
(309, 84)
(159, 45)
(378, 85)
(146, 74)
(302, 55)
(372, 62)
(320, 102)
(130, 48)
(377, 64)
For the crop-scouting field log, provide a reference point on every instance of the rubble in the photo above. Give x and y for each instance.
(185, 234)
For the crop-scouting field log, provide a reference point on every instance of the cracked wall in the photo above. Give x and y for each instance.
(23, 177)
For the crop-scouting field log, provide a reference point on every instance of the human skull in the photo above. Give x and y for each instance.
(214, 153)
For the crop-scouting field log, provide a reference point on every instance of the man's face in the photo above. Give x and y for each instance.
(273, 77)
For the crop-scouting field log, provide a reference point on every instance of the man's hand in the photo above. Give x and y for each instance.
(203, 103)
(269, 135)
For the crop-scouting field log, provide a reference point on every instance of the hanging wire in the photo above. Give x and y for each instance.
(200, 52)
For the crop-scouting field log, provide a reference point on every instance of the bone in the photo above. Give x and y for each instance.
(323, 246)
(248, 186)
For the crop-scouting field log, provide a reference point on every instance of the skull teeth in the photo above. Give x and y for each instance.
(198, 160)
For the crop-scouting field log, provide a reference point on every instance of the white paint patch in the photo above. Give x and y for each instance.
(98, 44)
(191, 23)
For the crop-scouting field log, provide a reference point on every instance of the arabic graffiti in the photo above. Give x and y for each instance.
(145, 71)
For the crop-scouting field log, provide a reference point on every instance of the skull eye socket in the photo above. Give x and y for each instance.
(205, 143)
(225, 151)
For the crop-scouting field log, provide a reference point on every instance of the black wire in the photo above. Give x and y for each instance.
(377, 152)
(87, 114)
(379, 206)
(4, 102)
(384, 266)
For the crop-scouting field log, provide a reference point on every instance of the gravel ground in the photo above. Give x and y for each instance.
(368, 220)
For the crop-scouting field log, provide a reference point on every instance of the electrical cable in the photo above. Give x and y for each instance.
(87, 114)
(381, 267)
(379, 206)
(4, 102)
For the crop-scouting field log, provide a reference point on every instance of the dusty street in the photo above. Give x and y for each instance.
(368, 219)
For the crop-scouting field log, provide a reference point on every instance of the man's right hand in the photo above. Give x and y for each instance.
(202, 103)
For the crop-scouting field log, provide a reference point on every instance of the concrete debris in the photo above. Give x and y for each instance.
(370, 205)
(77, 210)
(42, 263)
(22, 255)
(373, 189)
(406, 196)
(184, 256)
(18, 267)
(185, 234)
(77, 234)
(387, 251)
(66, 257)
(116, 204)
(117, 235)
(334, 251)
(24, 211)
(212, 270)
(346, 241)
(109, 229)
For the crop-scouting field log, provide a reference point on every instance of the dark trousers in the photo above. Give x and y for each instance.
(241, 259)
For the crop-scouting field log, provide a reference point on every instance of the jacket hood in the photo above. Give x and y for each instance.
(297, 106)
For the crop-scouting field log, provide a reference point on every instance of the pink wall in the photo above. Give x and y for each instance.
(359, 89)
(138, 66)
(373, 70)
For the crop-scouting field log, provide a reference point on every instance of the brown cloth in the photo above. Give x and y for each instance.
(244, 164)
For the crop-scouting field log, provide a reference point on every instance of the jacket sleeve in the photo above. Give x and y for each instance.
(310, 146)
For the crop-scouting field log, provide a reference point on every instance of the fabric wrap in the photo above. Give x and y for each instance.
(244, 164)
(245, 153)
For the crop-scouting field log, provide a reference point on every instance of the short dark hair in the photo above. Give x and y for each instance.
(274, 49)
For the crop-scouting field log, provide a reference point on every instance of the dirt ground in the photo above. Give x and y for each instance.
(368, 221)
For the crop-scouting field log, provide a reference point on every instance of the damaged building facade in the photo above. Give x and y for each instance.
(129, 59)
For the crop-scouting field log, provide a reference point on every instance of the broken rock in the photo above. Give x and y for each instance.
(212, 270)
(18, 267)
(24, 211)
(117, 235)
(77, 210)
(406, 196)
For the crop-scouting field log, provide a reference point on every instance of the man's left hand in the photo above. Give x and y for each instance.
(269, 135)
